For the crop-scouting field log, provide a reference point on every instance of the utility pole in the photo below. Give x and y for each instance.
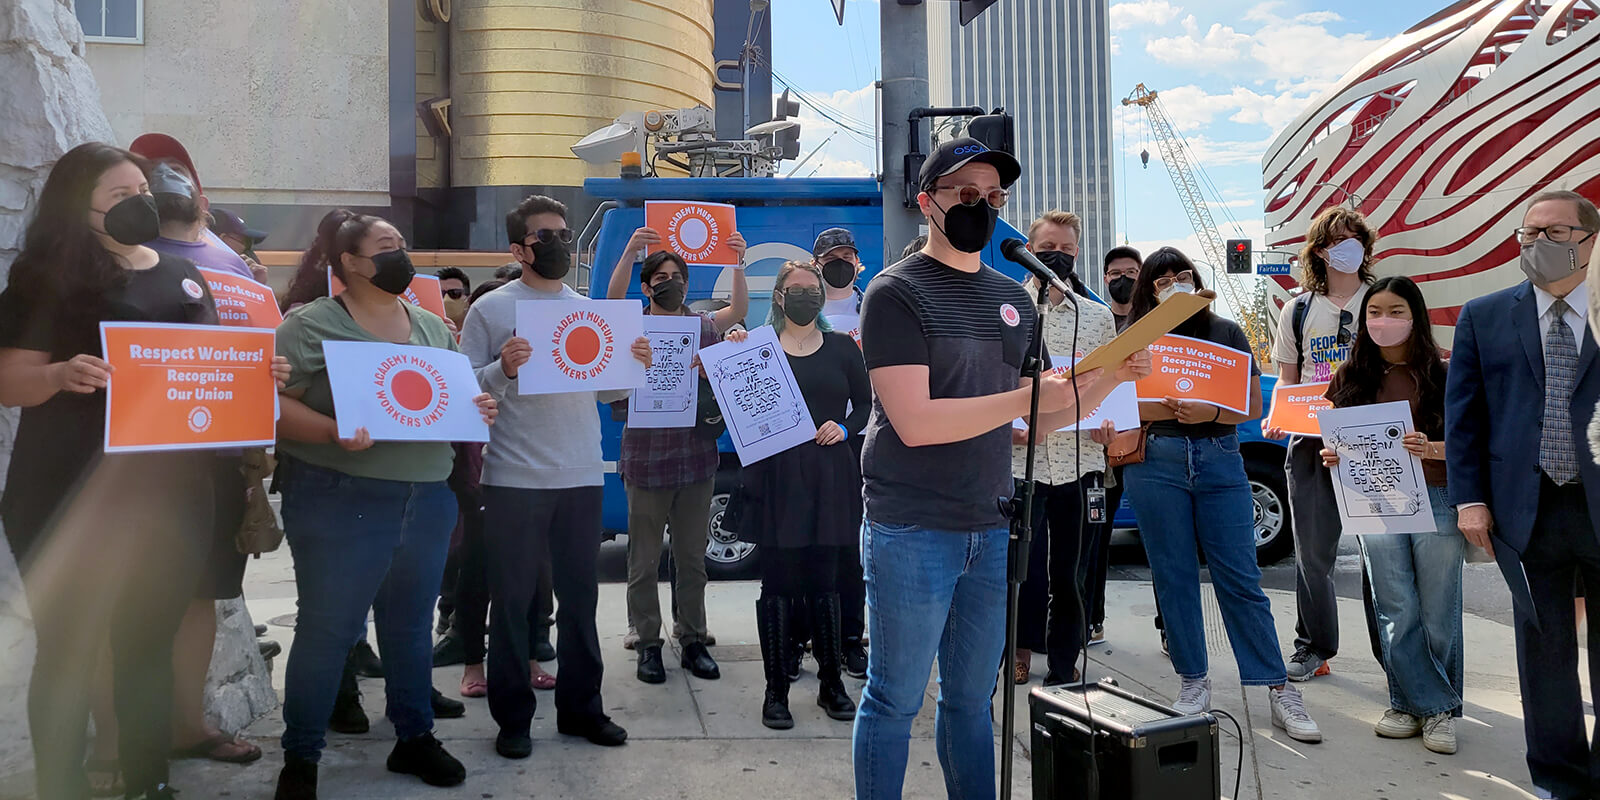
(904, 31)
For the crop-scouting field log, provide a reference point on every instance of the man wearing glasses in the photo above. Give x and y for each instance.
(1520, 395)
(542, 478)
(1314, 337)
(944, 338)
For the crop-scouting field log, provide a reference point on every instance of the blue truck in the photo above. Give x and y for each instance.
(780, 218)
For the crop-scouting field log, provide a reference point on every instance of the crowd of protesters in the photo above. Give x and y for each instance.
(885, 523)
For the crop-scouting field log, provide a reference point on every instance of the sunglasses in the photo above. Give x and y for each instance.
(1345, 320)
(972, 195)
(548, 235)
(455, 294)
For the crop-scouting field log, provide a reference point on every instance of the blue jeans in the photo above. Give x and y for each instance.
(1191, 492)
(360, 543)
(1416, 589)
(930, 593)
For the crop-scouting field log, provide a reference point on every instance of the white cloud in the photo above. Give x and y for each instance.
(1219, 45)
(1298, 53)
(1142, 12)
(1319, 17)
(850, 152)
(1191, 107)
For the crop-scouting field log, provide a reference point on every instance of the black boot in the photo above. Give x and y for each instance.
(772, 622)
(297, 781)
(825, 648)
(348, 717)
(368, 665)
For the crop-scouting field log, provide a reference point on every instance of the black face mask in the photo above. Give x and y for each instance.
(550, 259)
(1121, 289)
(134, 220)
(1060, 262)
(802, 306)
(969, 228)
(839, 273)
(668, 294)
(393, 271)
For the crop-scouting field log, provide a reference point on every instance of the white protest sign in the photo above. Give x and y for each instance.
(1378, 483)
(760, 401)
(670, 395)
(1121, 407)
(579, 345)
(403, 393)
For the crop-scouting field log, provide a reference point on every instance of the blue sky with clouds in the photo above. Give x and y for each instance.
(1232, 74)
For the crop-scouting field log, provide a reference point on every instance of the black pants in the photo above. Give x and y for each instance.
(471, 588)
(1561, 757)
(523, 529)
(796, 572)
(124, 558)
(851, 582)
(1050, 609)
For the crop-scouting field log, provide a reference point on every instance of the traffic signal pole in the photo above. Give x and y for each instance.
(904, 30)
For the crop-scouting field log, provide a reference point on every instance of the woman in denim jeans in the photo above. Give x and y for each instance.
(368, 522)
(1416, 578)
(1191, 490)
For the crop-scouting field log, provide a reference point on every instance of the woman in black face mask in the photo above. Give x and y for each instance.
(109, 545)
(804, 504)
(368, 523)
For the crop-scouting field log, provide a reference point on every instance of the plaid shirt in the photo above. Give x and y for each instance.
(670, 458)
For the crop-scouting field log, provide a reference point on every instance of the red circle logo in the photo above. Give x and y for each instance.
(412, 390)
(1009, 315)
(582, 346)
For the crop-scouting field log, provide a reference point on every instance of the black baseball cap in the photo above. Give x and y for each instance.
(957, 153)
(225, 222)
(831, 238)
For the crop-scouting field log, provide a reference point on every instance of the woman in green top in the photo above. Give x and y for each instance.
(368, 522)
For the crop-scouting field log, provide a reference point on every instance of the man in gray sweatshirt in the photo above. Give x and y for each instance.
(542, 479)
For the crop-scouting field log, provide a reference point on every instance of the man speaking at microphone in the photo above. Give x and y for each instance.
(945, 338)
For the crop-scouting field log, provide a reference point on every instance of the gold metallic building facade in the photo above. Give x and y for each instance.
(528, 78)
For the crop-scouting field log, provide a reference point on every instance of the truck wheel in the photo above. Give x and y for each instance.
(1269, 497)
(727, 558)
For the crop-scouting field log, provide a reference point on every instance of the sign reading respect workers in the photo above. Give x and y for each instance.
(1195, 369)
(188, 387)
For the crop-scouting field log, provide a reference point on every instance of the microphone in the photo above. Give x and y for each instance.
(1016, 250)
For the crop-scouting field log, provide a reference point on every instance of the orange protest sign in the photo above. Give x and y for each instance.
(424, 292)
(1195, 369)
(241, 302)
(1295, 407)
(697, 232)
(188, 387)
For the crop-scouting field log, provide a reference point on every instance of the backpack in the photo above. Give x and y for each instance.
(1302, 307)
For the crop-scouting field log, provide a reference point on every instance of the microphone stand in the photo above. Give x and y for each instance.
(1020, 509)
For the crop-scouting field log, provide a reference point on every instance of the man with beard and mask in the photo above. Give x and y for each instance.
(1069, 473)
(944, 339)
(669, 475)
(1122, 272)
(542, 491)
(1520, 394)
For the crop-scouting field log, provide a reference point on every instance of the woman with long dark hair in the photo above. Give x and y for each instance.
(310, 279)
(109, 544)
(1191, 494)
(1416, 578)
(368, 522)
(804, 504)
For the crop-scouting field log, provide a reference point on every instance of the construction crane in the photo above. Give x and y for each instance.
(1174, 153)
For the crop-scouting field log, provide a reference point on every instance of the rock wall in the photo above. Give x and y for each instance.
(49, 102)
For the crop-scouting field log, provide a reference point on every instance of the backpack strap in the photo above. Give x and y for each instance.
(1302, 307)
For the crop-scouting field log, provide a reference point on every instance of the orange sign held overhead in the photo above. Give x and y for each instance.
(697, 232)
(1295, 407)
(188, 387)
(424, 292)
(241, 302)
(1195, 369)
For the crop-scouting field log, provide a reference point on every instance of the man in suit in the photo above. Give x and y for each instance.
(1521, 392)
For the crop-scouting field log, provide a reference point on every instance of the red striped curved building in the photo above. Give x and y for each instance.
(1441, 137)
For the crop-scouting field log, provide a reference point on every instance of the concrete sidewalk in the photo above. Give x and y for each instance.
(704, 739)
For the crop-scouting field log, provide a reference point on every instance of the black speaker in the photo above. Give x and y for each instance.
(1128, 748)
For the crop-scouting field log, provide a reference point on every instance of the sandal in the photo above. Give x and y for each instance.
(1021, 670)
(109, 771)
(220, 747)
(544, 680)
(474, 688)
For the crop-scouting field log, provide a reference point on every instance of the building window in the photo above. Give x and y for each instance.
(115, 21)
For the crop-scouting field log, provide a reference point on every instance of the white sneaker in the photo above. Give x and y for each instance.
(1194, 697)
(630, 639)
(1439, 734)
(1289, 713)
(1397, 725)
